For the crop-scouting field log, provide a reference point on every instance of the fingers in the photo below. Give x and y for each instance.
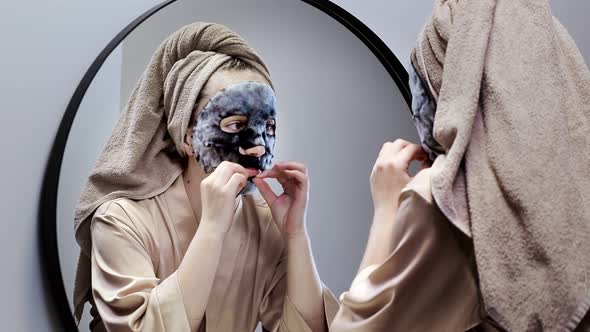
(279, 170)
(393, 147)
(295, 175)
(292, 165)
(409, 153)
(286, 172)
(236, 183)
(290, 179)
(291, 175)
(227, 169)
(273, 173)
(265, 191)
(401, 153)
(281, 166)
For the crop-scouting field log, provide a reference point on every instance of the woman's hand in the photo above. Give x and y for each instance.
(288, 209)
(390, 173)
(218, 194)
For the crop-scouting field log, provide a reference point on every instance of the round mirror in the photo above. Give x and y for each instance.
(341, 93)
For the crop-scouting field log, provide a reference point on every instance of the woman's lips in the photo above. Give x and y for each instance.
(254, 169)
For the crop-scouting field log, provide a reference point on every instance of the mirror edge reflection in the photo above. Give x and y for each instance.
(47, 235)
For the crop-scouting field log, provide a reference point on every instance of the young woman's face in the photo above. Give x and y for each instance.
(235, 122)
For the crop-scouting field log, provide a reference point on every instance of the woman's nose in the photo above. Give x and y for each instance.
(255, 151)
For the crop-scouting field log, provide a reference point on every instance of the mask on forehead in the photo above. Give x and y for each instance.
(423, 111)
(255, 103)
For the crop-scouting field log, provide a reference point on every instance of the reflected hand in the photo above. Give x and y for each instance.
(390, 172)
(218, 194)
(288, 209)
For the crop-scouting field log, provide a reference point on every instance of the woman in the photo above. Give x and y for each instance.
(494, 236)
(171, 238)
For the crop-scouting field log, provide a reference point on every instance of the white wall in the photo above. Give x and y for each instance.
(96, 116)
(398, 22)
(46, 48)
(574, 14)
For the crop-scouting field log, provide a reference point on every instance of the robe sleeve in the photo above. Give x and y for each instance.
(128, 295)
(278, 313)
(426, 284)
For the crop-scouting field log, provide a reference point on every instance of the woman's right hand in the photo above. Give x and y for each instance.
(390, 173)
(218, 194)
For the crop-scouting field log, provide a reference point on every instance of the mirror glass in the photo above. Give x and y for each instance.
(336, 106)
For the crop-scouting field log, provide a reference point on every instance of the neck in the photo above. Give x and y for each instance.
(192, 176)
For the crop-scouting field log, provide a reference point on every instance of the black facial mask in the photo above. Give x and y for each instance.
(423, 112)
(253, 100)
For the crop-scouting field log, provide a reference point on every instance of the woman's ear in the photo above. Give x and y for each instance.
(188, 144)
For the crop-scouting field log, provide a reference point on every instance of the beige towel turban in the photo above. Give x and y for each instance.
(513, 116)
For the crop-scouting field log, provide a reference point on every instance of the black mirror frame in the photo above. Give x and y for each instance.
(48, 203)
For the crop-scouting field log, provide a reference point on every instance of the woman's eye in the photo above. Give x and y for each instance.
(233, 124)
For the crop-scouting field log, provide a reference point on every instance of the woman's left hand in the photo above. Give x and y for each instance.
(390, 173)
(289, 208)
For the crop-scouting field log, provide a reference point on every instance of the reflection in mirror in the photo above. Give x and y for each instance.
(335, 106)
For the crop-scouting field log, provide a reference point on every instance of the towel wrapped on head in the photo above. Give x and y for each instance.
(144, 154)
(513, 117)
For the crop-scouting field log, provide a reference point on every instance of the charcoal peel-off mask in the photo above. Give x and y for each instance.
(255, 103)
(423, 112)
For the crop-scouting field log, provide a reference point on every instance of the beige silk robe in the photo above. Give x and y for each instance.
(428, 283)
(138, 246)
